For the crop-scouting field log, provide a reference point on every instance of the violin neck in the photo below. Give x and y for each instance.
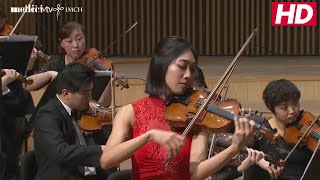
(228, 115)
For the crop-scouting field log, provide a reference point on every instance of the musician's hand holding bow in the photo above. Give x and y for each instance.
(254, 156)
(9, 76)
(170, 140)
(273, 171)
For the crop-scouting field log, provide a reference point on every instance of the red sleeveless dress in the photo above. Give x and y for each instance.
(149, 161)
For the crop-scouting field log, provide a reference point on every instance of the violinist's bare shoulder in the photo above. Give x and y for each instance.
(121, 126)
(125, 116)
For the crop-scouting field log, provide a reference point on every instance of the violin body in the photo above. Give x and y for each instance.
(91, 58)
(180, 113)
(294, 132)
(218, 116)
(6, 30)
(98, 118)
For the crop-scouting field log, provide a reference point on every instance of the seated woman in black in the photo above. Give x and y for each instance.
(282, 98)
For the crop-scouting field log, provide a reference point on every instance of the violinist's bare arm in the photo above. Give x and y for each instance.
(118, 149)
(201, 169)
(40, 80)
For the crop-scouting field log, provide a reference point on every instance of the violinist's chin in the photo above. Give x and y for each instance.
(292, 119)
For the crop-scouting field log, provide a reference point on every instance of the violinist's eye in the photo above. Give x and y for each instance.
(182, 65)
(283, 107)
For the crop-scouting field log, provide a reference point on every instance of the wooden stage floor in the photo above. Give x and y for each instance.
(254, 72)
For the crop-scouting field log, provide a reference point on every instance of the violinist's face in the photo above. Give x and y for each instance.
(79, 100)
(180, 72)
(75, 44)
(287, 112)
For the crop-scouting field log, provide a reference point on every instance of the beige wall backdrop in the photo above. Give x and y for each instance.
(214, 27)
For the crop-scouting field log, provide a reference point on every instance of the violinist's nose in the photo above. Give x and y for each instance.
(187, 74)
(291, 109)
(75, 43)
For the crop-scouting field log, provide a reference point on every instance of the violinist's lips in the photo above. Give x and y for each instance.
(184, 84)
(292, 118)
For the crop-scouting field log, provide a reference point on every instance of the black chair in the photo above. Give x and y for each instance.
(121, 175)
(28, 169)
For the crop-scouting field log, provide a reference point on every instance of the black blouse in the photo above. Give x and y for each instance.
(56, 63)
(294, 166)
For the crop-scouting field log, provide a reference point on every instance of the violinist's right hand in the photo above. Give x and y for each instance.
(10, 75)
(170, 140)
(273, 171)
(244, 130)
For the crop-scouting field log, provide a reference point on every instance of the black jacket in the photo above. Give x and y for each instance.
(56, 144)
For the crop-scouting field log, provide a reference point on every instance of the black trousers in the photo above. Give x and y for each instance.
(12, 139)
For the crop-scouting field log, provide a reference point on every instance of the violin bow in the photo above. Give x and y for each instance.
(113, 42)
(225, 75)
(212, 144)
(16, 25)
(301, 138)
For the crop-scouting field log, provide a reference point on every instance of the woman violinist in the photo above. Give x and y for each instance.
(73, 41)
(151, 139)
(282, 98)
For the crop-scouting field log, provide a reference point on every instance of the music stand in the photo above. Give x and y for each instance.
(312, 170)
(16, 51)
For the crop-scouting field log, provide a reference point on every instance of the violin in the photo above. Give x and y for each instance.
(294, 131)
(91, 57)
(97, 117)
(215, 118)
(20, 78)
(6, 30)
(223, 141)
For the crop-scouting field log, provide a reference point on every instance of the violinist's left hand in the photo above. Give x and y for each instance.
(253, 157)
(244, 130)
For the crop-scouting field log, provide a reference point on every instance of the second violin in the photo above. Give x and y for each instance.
(96, 118)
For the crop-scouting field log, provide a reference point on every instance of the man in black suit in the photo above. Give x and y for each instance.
(60, 148)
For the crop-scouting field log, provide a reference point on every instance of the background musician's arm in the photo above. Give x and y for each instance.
(40, 80)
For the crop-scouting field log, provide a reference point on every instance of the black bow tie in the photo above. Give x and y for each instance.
(75, 115)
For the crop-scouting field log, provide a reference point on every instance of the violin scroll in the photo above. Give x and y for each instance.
(123, 82)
